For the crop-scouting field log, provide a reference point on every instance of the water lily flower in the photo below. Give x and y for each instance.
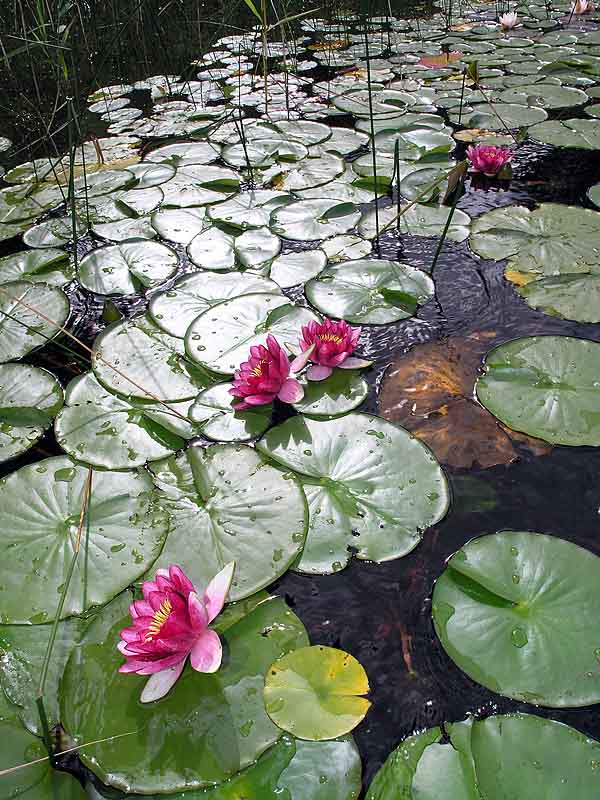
(488, 158)
(328, 344)
(582, 7)
(170, 624)
(508, 21)
(264, 377)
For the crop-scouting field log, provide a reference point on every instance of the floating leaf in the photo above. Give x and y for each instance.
(517, 612)
(22, 329)
(316, 693)
(343, 391)
(369, 485)
(418, 220)
(233, 729)
(545, 386)
(293, 268)
(369, 291)
(40, 510)
(176, 309)
(306, 220)
(577, 133)
(179, 224)
(127, 268)
(30, 398)
(491, 759)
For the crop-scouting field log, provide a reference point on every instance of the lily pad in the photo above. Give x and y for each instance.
(249, 210)
(104, 430)
(546, 386)
(136, 358)
(507, 115)
(127, 268)
(226, 504)
(593, 194)
(241, 323)
(217, 419)
(313, 172)
(231, 730)
(54, 232)
(40, 510)
(316, 693)
(570, 296)
(22, 329)
(419, 220)
(517, 612)
(367, 291)
(576, 133)
(369, 485)
(343, 391)
(30, 398)
(213, 249)
(314, 219)
(293, 268)
(179, 225)
(520, 756)
(176, 309)
(35, 782)
(540, 242)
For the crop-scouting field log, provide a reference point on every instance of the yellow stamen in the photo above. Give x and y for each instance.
(159, 619)
(257, 371)
(330, 337)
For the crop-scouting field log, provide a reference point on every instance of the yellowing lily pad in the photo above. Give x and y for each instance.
(316, 693)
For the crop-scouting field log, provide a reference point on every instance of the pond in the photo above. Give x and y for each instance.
(402, 517)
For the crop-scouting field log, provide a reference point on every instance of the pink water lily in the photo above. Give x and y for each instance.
(509, 20)
(488, 158)
(328, 344)
(265, 376)
(170, 624)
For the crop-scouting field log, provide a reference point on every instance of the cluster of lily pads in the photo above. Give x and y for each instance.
(250, 239)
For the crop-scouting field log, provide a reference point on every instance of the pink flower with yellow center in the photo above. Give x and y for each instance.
(170, 624)
(509, 20)
(488, 158)
(265, 376)
(328, 344)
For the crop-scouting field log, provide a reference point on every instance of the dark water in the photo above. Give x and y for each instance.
(382, 613)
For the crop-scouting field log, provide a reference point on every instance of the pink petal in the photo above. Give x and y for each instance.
(159, 684)
(207, 653)
(217, 589)
(198, 612)
(291, 391)
(302, 360)
(354, 363)
(318, 373)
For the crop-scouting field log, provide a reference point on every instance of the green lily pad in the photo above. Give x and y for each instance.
(127, 268)
(104, 430)
(577, 133)
(242, 322)
(22, 652)
(54, 232)
(311, 770)
(367, 291)
(175, 309)
(47, 266)
(148, 174)
(213, 249)
(517, 612)
(179, 224)
(124, 229)
(316, 693)
(249, 210)
(35, 782)
(545, 386)
(343, 391)
(40, 510)
(520, 756)
(314, 219)
(22, 329)
(570, 296)
(313, 172)
(263, 153)
(105, 181)
(369, 485)
(151, 364)
(226, 505)
(184, 153)
(508, 115)
(213, 413)
(293, 268)
(419, 220)
(545, 95)
(231, 728)
(30, 398)
(542, 242)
